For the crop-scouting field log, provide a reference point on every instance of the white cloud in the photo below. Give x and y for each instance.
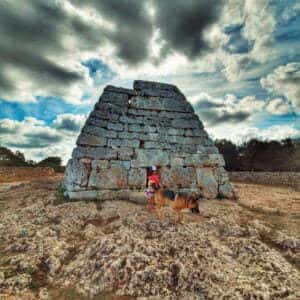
(278, 106)
(240, 133)
(37, 140)
(285, 80)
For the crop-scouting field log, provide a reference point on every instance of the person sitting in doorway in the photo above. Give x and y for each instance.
(154, 177)
(153, 180)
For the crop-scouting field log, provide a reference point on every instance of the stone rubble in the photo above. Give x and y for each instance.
(130, 130)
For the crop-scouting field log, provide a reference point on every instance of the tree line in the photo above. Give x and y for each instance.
(9, 158)
(256, 155)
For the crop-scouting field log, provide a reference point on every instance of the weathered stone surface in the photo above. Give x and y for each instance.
(185, 123)
(121, 90)
(142, 112)
(206, 180)
(95, 153)
(123, 143)
(115, 126)
(83, 195)
(158, 104)
(149, 157)
(113, 178)
(141, 128)
(97, 122)
(97, 131)
(196, 160)
(176, 161)
(110, 108)
(91, 140)
(137, 178)
(226, 191)
(130, 130)
(157, 145)
(178, 177)
(132, 120)
(119, 99)
(125, 153)
(76, 174)
(120, 163)
(105, 115)
(100, 164)
(215, 160)
(139, 85)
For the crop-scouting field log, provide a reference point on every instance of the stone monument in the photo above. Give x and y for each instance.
(132, 129)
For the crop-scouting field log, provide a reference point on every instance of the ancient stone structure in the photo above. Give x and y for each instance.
(130, 130)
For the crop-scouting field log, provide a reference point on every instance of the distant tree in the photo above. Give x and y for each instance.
(10, 159)
(230, 153)
(52, 162)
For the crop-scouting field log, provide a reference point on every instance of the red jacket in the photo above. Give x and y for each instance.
(155, 178)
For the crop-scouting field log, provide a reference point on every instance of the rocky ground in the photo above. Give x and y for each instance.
(51, 249)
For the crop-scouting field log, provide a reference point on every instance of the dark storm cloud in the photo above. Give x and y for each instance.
(34, 32)
(36, 140)
(215, 113)
(68, 122)
(133, 26)
(30, 31)
(213, 117)
(206, 104)
(182, 23)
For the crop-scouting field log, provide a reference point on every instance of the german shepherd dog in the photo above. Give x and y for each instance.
(178, 202)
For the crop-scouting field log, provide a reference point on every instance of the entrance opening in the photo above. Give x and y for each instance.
(153, 176)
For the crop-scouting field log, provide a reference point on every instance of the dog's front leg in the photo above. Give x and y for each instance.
(179, 217)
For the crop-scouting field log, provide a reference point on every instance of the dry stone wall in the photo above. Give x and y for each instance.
(130, 130)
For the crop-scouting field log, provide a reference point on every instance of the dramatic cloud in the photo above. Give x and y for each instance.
(278, 107)
(182, 23)
(38, 140)
(227, 110)
(132, 26)
(285, 80)
(69, 122)
(240, 133)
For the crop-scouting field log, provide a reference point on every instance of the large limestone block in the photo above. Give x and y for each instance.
(178, 176)
(149, 157)
(197, 159)
(119, 99)
(112, 178)
(95, 153)
(207, 181)
(91, 140)
(76, 174)
(215, 160)
(121, 90)
(137, 178)
(97, 131)
(158, 104)
(140, 85)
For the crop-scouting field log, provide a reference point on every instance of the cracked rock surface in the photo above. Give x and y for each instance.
(52, 249)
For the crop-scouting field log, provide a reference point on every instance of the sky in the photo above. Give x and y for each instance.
(236, 61)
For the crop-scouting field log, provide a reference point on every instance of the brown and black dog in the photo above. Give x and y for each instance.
(178, 202)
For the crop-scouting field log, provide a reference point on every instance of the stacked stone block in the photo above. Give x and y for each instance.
(130, 130)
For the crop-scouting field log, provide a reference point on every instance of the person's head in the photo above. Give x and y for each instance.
(154, 169)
